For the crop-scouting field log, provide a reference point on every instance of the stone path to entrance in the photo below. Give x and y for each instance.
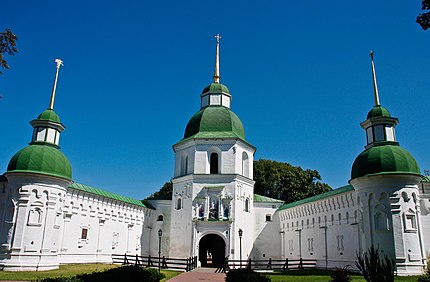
(199, 274)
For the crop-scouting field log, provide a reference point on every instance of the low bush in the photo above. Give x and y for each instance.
(340, 274)
(375, 267)
(126, 273)
(424, 278)
(247, 275)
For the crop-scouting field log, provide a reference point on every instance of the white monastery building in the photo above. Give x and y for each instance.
(48, 219)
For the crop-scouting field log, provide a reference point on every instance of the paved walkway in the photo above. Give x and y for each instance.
(199, 274)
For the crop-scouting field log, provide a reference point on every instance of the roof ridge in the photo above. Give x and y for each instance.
(337, 191)
(106, 194)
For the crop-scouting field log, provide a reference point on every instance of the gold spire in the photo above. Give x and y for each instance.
(216, 72)
(375, 85)
(54, 88)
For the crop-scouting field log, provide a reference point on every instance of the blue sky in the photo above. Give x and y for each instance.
(299, 73)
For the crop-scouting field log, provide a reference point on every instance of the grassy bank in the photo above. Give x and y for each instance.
(321, 275)
(66, 271)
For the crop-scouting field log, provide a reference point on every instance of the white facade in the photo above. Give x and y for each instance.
(213, 213)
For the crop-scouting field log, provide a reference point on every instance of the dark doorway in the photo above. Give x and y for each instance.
(212, 251)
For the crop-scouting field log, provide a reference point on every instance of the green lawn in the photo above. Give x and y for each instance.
(67, 270)
(321, 275)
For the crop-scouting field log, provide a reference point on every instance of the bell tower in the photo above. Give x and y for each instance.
(213, 180)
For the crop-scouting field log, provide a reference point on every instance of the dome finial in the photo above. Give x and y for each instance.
(216, 72)
(51, 103)
(375, 85)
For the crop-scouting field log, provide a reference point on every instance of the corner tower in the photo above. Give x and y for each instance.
(212, 185)
(37, 180)
(385, 177)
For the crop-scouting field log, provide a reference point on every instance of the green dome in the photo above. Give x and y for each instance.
(43, 159)
(214, 122)
(378, 111)
(49, 115)
(216, 88)
(385, 159)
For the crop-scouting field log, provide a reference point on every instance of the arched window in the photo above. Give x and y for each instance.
(184, 165)
(245, 164)
(179, 204)
(35, 216)
(213, 163)
(160, 218)
(381, 221)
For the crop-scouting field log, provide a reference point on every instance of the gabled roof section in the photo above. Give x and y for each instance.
(318, 197)
(106, 194)
(264, 199)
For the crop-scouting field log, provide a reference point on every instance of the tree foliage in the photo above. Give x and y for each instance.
(164, 192)
(423, 19)
(7, 46)
(286, 182)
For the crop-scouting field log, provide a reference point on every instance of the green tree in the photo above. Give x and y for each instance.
(7, 46)
(286, 182)
(423, 19)
(164, 192)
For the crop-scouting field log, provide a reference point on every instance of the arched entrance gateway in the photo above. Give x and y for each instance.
(211, 251)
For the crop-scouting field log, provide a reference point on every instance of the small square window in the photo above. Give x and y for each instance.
(268, 218)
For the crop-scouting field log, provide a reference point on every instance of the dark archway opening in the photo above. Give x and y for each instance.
(213, 163)
(211, 251)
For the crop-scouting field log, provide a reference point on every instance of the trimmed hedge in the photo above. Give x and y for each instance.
(247, 275)
(129, 273)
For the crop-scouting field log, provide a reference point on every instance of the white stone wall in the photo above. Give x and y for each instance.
(44, 223)
(424, 190)
(113, 227)
(267, 236)
(325, 230)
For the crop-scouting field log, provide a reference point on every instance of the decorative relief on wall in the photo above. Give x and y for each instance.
(212, 203)
(290, 246)
(409, 221)
(115, 238)
(340, 242)
(310, 244)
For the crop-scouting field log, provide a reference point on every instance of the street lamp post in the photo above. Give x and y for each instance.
(240, 246)
(160, 233)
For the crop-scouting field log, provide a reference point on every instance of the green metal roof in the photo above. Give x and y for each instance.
(384, 159)
(264, 199)
(41, 159)
(378, 111)
(106, 194)
(318, 197)
(214, 122)
(216, 88)
(49, 115)
(425, 179)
